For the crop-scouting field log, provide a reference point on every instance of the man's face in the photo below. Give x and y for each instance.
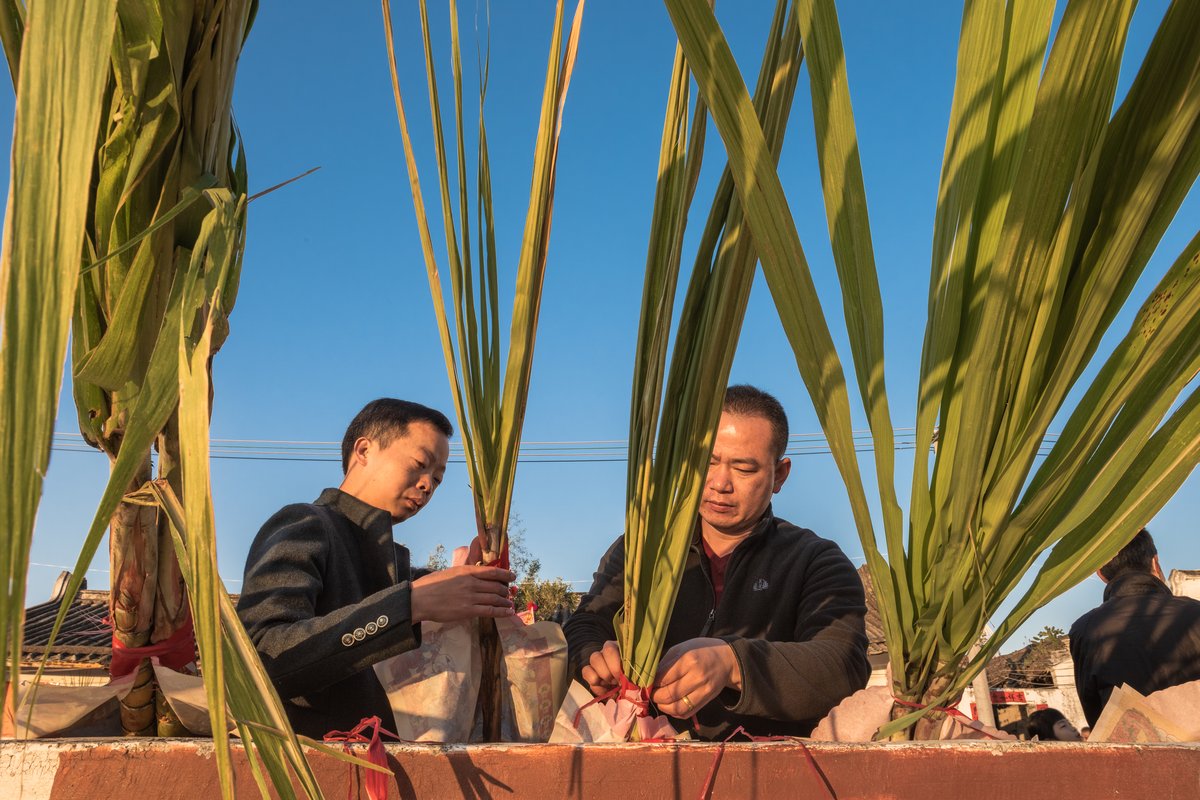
(742, 475)
(401, 477)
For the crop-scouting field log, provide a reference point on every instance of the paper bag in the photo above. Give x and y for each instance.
(433, 690)
(582, 718)
(1128, 716)
(49, 710)
(535, 675)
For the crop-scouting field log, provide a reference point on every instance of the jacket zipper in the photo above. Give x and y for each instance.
(712, 615)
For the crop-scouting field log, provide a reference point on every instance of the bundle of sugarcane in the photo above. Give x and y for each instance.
(491, 411)
(1050, 207)
(673, 421)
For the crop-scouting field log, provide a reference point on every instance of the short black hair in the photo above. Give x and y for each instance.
(387, 418)
(1041, 724)
(750, 401)
(1137, 556)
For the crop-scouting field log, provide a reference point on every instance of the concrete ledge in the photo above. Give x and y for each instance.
(77, 769)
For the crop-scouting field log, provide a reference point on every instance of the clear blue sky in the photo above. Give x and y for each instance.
(334, 309)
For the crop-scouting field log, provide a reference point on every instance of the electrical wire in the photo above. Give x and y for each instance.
(532, 452)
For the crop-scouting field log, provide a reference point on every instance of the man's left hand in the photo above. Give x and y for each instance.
(694, 672)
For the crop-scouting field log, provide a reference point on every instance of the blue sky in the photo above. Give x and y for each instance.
(334, 309)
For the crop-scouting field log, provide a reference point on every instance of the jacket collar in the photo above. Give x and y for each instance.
(760, 527)
(373, 520)
(1134, 583)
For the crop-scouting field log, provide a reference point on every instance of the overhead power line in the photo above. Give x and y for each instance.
(535, 452)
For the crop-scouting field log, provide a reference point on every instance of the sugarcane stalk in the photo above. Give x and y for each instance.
(490, 706)
(170, 600)
(133, 557)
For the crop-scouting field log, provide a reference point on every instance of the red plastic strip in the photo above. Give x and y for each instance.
(706, 789)
(175, 652)
(376, 782)
(951, 712)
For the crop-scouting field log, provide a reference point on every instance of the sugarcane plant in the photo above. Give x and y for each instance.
(490, 408)
(1050, 205)
(168, 135)
(70, 65)
(674, 414)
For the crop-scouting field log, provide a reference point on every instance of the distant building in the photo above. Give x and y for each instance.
(1185, 583)
(83, 647)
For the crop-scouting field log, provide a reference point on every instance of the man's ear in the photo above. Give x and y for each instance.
(1100, 575)
(360, 452)
(1156, 568)
(783, 468)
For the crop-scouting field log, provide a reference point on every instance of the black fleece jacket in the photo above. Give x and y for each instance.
(327, 594)
(1141, 635)
(792, 609)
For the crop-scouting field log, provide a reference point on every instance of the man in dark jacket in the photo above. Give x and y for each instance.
(1141, 634)
(767, 630)
(328, 593)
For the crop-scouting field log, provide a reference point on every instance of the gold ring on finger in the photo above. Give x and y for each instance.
(688, 701)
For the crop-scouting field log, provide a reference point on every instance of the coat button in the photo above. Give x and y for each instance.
(359, 634)
(382, 621)
(348, 639)
(371, 628)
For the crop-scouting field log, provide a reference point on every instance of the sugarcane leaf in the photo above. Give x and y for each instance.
(670, 443)
(435, 280)
(188, 196)
(850, 233)
(778, 244)
(63, 60)
(12, 29)
(490, 412)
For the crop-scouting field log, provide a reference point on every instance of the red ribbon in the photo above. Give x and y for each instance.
(176, 651)
(502, 561)
(953, 713)
(812, 762)
(640, 700)
(377, 783)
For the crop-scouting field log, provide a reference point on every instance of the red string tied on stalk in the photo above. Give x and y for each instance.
(637, 696)
(176, 651)
(629, 704)
(376, 782)
(949, 711)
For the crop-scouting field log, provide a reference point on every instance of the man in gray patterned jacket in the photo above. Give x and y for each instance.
(328, 593)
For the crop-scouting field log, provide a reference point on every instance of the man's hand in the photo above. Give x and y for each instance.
(603, 670)
(460, 593)
(692, 673)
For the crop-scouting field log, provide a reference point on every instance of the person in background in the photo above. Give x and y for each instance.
(328, 593)
(1049, 725)
(1141, 634)
(767, 630)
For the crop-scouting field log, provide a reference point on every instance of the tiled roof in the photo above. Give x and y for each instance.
(84, 639)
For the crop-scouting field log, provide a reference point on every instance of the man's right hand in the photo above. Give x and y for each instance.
(460, 593)
(603, 671)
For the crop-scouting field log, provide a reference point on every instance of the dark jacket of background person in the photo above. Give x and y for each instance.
(326, 595)
(1141, 635)
(792, 609)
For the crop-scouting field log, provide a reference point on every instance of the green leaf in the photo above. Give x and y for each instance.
(63, 79)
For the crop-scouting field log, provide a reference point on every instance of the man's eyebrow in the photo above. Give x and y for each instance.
(753, 462)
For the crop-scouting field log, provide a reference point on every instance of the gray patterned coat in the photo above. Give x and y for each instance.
(326, 595)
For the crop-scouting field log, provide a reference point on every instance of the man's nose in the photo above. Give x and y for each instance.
(425, 484)
(718, 479)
